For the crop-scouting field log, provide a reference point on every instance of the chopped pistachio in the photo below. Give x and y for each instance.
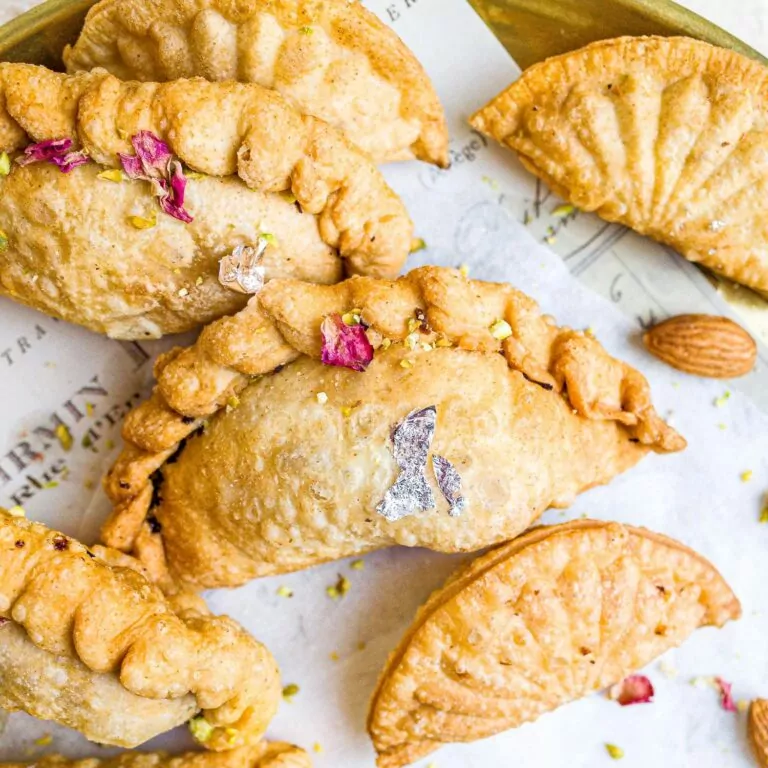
(406, 363)
(563, 210)
(290, 691)
(590, 332)
(317, 747)
(747, 476)
(233, 402)
(764, 514)
(183, 292)
(386, 343)
(668, 669)
(201, 729)
(464, 269)
(492, 183)
(427, 347)
(113, 174)
(334, 656)
(89, 409)
(339, 589)
(5, 164)
(232, 735)
(723, 399)
(139, 222)
(45, 740)
(288, 196)
(443, 343)
(268, 238)
(87, 441)
(89, 485)
(322, 398)
(3, 241)
(615, 752)
(501, 330)
(306, 31)
(413, 325)
(110, 444)
(332, 592)
(64, 436)
(418, 244)
(284, 592)
(361, 646)
(17, 511)
(722, 426)
(351, 318)
(412, 340)
(742, 705)
(51, 484)
(194, 175)
(550, 239)
(346, 411)
(358, 565)
(199, 281)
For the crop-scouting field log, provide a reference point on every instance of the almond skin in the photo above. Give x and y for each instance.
(757, 726)
(704, 345)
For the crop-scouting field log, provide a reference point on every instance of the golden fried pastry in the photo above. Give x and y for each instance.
(553, 616)
(668, 136)
(324, 422)
(87, 641)
(261, 755)
(334, 60)
(101, 225)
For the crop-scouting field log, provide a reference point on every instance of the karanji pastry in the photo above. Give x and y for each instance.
(544, 620)
(668, 136)
(87, 641)
(259, 454)
(101, 225)
(332, 59)
(261, 755)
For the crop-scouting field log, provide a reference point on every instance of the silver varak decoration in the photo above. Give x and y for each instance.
(411, 493)
(241, 271)
(449, 482)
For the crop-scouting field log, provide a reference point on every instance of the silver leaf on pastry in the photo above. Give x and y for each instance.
(449, 482)
(411, 493)
(242, 271)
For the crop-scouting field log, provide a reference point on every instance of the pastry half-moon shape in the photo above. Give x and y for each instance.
(668, 136)
(537, 623)
(87, 641)
(261, 755)
(265, 475)
(99, 252)
(333, 59)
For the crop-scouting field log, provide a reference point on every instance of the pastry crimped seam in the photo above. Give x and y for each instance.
(261, 755)
(275, 43)
(283, 322)
(97, 606)
(220, 129)
(484, 582)
(666, 135)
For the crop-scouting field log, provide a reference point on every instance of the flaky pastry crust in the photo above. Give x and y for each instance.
(332, 59)
(73, 248)
(667, 136)
(544, 620)
(261, 755)
(84, 632)
(291, 472)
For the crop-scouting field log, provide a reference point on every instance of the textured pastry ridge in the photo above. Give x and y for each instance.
(262, 755)
(266, 165)
(88, 606)
(334, 60)
(566, 375)
(665, 135)
(539, 622)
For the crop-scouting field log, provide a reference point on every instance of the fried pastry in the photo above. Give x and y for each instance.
(87, 641)
(334, 60)
(474, 414)
(101, 225)
(261, 755)
(541, 621)
(668, 136)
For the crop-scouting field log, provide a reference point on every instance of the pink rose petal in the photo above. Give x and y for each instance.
(71, 160)
(345, 346)
(726, 698)
(132, 165)
(635, 689)
(45, 151)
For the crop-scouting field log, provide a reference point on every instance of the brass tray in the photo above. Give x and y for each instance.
(531, 30)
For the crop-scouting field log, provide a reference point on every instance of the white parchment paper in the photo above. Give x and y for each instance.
(52, 373)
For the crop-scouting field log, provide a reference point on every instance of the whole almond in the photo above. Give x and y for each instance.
(757, 727)
(704, 345)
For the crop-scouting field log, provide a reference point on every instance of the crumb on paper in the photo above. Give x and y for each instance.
(723, 399)
(290, 691)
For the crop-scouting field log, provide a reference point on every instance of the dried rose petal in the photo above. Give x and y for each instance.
(726, 698)
(635, 689)
(56, 151)
(345, 346)
(154, 162)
